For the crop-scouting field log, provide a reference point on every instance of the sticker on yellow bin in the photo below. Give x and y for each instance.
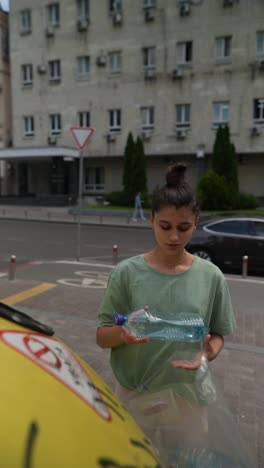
(56, 411)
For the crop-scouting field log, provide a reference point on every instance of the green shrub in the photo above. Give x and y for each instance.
(118, 198)
(247, 201)
(213, 193)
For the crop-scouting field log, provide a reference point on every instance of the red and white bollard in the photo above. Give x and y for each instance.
(115, 254)
(12, 268)
(245, 266)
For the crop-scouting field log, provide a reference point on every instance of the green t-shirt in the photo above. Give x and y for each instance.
(132, 285)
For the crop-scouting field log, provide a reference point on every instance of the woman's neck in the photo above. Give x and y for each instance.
(168, 263)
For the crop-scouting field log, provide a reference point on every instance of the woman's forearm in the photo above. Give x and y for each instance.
(109, 337)
(214, 346)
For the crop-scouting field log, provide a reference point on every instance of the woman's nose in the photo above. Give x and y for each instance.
(174, 235)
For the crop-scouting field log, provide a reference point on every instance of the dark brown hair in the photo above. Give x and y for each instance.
(176, 192)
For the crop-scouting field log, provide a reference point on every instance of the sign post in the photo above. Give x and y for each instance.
(81, 136)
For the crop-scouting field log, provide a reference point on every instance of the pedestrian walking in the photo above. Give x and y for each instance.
(138, 212)
(170, 281)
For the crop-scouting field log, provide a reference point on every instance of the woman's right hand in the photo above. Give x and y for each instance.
(128, 338)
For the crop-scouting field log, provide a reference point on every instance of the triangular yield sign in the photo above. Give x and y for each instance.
(81, 135)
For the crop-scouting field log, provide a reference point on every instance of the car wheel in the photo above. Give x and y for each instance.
(202, 254)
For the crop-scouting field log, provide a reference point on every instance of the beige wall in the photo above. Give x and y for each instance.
(204, 82)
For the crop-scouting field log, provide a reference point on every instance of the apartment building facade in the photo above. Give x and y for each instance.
(5, 102)
(169, 71)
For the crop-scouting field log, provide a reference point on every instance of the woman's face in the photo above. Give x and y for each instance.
(173, 228)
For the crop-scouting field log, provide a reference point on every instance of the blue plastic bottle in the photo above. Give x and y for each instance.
(143, 323)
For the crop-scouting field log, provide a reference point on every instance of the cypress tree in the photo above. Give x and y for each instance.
(140, 175)
(128, 168)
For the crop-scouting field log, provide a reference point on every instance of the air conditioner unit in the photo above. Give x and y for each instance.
(149, 14)
(255, 131)
(117, 18)
(110, 137)
(52, 140)
(228, 3)
(146, 135)
(185, 9)
(50, 31)
(177, 73)
(101, 61)
(82, 24)
(41, 69)
(150, 74)
(180, 134)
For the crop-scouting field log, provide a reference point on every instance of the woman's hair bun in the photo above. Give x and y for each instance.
(176, 175)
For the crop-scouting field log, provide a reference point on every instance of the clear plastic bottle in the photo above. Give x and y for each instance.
(186, 327)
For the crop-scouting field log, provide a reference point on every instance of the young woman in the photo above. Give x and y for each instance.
(170, 281)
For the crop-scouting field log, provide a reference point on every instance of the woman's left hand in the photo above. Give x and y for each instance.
(211, 348)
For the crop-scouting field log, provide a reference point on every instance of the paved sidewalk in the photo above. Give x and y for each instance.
(70, 215)
(72, 313)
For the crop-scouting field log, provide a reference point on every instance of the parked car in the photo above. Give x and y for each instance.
(225, 240)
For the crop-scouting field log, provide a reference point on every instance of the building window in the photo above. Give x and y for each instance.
(115, 6)
(220, 113)
(184, 52)
(25, 22)
(83, 67)
(83, 9)
(115, 62)
(149, 58)
(259, 110)
(55, 124)
(260, 44)
(53, 15)
(223, 48)
(115, 120)
(84, 118)
(147, 118)
(27, 74)
(183, 116)
(94, 179)
(28, 126)
(55, 71)
(149, 3)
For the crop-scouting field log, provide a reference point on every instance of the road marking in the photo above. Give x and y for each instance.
(66, 262)
(244, 280)
(22, 296)
(2, 275)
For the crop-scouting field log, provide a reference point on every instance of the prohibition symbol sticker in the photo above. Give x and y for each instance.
(53, 357)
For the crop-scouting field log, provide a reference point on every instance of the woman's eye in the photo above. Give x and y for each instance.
(165, 228)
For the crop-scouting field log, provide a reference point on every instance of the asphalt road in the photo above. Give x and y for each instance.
(32, 240)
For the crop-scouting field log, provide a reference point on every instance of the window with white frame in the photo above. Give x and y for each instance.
(53, 15)
(55, 124)
(115, 62)
(115, 6)
(223, 48)
(258, 112)
(149, 3)
(94, 179)
(55, 71)
(29, 130)
(149, 58)
(115, 120)
(25, 21)
(83, 9)
(221, 113)
(183, 115)
(147, 118)
(260, 44)
(83, 67)
(184, 52)
(27, 74)
(84, 118)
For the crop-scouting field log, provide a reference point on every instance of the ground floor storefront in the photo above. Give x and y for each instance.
(52, 175)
